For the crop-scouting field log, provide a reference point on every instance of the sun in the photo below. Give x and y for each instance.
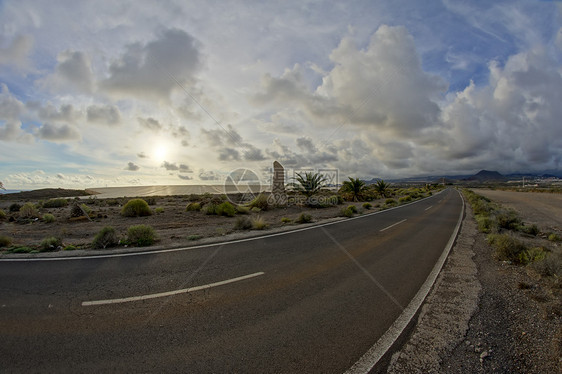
(160, 152)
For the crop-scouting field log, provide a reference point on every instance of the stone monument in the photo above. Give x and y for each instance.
(278, 195)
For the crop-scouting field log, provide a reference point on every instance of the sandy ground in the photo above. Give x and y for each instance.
(485, 316)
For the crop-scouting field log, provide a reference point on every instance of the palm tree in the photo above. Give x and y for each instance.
(309, 184)
(382, 187)
(354, 187)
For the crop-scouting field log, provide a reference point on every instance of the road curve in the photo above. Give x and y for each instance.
(309, 301)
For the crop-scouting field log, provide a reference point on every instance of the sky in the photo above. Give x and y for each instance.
(118, 93)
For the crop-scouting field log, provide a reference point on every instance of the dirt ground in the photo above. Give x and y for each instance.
(486, 316)
(174, 226)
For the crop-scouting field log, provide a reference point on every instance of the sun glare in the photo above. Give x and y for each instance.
(159, 153)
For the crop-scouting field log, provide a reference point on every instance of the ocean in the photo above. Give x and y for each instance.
(142, 191)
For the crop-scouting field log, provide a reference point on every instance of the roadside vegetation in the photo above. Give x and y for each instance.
(513, 240)
(93, 223)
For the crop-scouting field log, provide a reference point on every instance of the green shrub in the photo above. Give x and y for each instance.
(260, 202)
(225, 209)
(55, 203)
(508, 220)
(390, 202)
(304, 218)
(507, 248)
(243, 223)
(50, 244)
(242, 209)
(151, 201)
(70, 248)
(286, 220)
(15, 207)
(22, 250)
(367, 206)
(531, 255)
(136, 208)
(211, 209)
(2, 215)
(553, 237)
(106, 237)
(5, 241)
(194, 237)
(193, 207)
(86, 209)
(28, 210)
(550, 265)
(258, 223)
(530, 230)
(349, 211)
(141, 235)
(159, 210)
(405, 199)
(48, 218)
(485, 224)
(255, 209)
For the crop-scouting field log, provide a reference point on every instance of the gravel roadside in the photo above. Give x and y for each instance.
(485, 316)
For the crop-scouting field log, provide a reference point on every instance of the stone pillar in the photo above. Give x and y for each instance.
(278, 195)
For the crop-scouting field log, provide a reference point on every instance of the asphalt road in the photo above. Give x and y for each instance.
(314, 301)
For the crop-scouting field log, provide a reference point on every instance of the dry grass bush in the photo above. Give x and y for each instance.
(136, 208)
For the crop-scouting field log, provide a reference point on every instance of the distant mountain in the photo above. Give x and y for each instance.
(486, 175)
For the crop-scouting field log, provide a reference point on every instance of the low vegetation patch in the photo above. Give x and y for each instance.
(136, 208)
(2, 215)
(349, 211)
(194, 237)
(260, 202)
(15, 207)
(106, 237)
(50, 244)
(243, 223)
(258, 223)
(55, 203)
(304, 218)
(286, 220)
(141, 235)
(367, 206)
(5, 241)
(28, 210)
(193, 207)
(225, 209)
(48, 218)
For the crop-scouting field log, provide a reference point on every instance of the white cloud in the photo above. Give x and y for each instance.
(58, 133)
(16, 53)
(73, 73)
(103, 114)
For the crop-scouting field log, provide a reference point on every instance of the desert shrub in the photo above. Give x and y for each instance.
(194, 237)
(286, 220)
(77, 211)
(259, 202)
(193, 207)
(553, 237)
(69, 248)
(55, 203)
(405, 199)
(106, 237)
(5, 241)
(2, 215)
(86, 209)
(349, 211)
(22, 250)
(151, 201)
(367, 206)
(485, 224)
(530, 230)
(242, 209)
(531, 255)
(50, 244)
(28, 210)
(258, 223)
(15, 207)
(141, 235)
(243, 223)
(159, 210)
(225, 209)
(136, 208)
(304, 218)
(48, 218)
(507, 248)
(390, 202)
(211, 209)
(255, 209)
(508, 220)
(112, 202)
(550, 265)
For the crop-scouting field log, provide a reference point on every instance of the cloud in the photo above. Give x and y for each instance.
(150, 124)
(142, 155)
(73, 72)
(229, 154)
(17, 53)
(57, 133)
(103, 114)
(170, 166)
(10, 107)
(50, 113)
(150, 71)
(185, 177)
(221, 137)
(208, 175)
(132, 167)
(183, 168)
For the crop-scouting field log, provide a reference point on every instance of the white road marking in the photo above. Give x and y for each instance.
(394, 224)
(429, 207)
(170, 293)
